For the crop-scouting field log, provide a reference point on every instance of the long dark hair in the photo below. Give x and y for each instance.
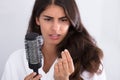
(85, 53)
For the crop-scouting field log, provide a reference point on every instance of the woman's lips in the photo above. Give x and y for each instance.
(54, 36)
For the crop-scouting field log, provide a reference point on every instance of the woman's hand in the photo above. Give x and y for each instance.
(64, 67)
(33, 76)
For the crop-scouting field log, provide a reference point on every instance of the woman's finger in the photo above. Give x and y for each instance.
(60, 66)
(64, 61)
(56, 69)
(30, 76)
(70, 61)
(37, 77)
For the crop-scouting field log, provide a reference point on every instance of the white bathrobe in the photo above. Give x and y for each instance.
(17, 68)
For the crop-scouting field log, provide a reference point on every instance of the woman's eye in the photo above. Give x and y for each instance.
(64, 20)
(47, 19)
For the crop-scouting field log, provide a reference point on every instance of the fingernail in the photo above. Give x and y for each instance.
(66, 50)
(34, 73)
(62, 52)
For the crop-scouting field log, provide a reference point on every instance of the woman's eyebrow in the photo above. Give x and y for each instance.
(47, 16)
(64, 17)
(53, 17)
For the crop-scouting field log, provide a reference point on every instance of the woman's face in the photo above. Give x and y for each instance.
(54, 24)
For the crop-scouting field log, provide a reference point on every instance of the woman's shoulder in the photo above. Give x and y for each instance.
(18, 52)
(16, 55)
(15, 66)
(87, 75)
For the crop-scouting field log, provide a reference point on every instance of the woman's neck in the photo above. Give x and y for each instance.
(49, 51)
(50, 55)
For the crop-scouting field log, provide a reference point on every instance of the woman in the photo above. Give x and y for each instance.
(69, 52)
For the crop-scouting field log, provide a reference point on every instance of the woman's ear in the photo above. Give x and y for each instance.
(37, 21)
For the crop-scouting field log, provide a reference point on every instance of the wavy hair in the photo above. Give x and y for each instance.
(85, 53)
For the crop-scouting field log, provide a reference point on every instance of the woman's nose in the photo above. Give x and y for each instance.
(56, 26)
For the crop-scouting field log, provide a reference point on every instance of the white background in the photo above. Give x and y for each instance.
(100, 17)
